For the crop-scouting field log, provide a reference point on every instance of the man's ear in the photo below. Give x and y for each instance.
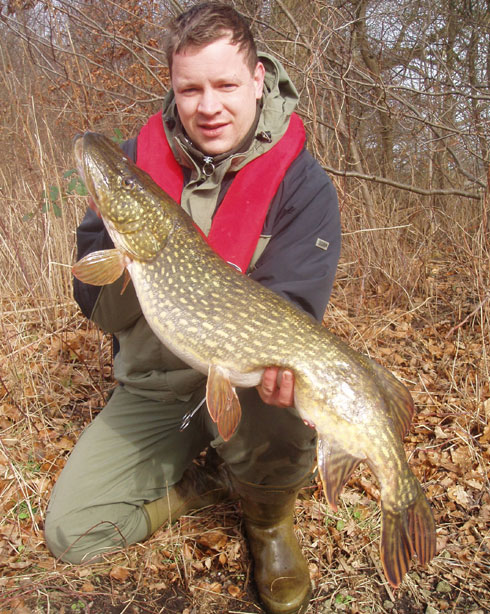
(258, 77)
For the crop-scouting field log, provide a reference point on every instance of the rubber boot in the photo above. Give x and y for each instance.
(280, 569)
(200, 486)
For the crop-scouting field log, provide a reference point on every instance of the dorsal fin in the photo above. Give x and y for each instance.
(396, 396)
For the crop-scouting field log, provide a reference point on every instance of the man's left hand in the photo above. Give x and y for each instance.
(277, 387)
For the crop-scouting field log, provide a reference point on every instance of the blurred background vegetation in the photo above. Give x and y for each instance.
(394, 93)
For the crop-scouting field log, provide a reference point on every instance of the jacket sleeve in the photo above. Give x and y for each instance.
(91, 237)
(301, 257)
(104, 305)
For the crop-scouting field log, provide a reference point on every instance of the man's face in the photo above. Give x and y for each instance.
(216, 94)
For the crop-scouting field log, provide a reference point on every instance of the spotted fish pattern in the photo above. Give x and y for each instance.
(228, 326)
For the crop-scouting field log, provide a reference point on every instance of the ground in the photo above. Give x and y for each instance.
(53, 380)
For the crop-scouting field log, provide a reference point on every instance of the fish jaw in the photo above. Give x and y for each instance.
(138, 215)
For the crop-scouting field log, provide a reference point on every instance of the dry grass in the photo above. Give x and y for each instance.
(414, 294)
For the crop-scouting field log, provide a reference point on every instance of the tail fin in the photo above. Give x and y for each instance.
(396, 546)
(402, 534)
(422, 528)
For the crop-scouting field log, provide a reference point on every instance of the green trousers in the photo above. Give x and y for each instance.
(135, 449)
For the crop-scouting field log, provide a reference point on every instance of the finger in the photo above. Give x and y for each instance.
(269, 381)
(286, 391)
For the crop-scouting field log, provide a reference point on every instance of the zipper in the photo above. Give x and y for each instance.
(208, 167)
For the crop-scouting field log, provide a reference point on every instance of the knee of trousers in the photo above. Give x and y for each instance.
(62, 543)
(77, 538)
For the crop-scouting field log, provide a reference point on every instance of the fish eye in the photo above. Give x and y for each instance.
(127, 182)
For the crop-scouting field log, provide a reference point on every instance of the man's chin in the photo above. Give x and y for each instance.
(214, 147)
(214, 144)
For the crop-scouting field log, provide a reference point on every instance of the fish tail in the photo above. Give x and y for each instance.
(403, 533)
(422, 528)
(396, 546)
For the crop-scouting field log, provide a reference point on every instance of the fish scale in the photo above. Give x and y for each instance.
(231, 328)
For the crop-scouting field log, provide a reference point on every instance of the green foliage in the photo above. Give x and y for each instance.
(50, 199)
(118, 136)
(344, 599)
(78, 606)
(75, 185)
(22, 510)
(340, 525)
(54, 198)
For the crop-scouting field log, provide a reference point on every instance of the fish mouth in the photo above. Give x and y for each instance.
(78, 148)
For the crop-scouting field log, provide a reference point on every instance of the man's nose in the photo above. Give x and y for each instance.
(209, 103)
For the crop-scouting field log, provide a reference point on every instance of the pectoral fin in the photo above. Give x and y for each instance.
(335, 466)
(223, 404)
(100, 268)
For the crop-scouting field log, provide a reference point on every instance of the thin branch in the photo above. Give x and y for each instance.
(401, 186)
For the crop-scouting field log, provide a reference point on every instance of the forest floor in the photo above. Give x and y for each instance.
(53, 381)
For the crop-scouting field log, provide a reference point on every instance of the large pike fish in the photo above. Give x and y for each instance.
(229, 327)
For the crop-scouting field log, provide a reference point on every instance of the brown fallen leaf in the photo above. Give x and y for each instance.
(234, 590)
(119, 573)
(215, 540)
(19, 607)
(213, 587)
(87, 587)
(459, 495)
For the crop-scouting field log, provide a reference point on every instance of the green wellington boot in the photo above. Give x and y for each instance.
(199, 487)
(281, 572)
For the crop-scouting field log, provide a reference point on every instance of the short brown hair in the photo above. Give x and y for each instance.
(206, 23)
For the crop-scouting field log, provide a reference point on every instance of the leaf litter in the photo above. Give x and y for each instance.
(53, 383)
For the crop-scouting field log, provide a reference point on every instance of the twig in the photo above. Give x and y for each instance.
(387, 587)
(470, 315)
(401, 186)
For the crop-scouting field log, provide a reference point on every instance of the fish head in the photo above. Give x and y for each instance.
(138, 215)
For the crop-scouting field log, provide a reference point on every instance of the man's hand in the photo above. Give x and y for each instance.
(277, 387)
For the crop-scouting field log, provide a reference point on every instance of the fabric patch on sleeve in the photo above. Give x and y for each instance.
(322, 244)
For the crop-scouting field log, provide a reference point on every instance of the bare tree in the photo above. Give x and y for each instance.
(393, 91)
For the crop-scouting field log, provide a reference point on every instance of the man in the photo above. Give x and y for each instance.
(228, 127)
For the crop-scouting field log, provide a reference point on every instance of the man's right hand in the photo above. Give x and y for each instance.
(277, 387)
